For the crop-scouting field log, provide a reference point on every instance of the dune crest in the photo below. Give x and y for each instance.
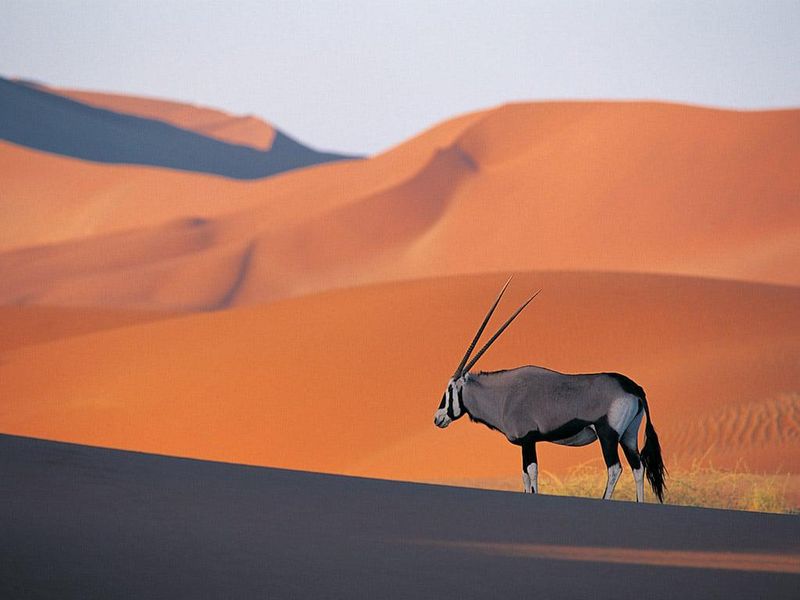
(241, 130)
(32, 117)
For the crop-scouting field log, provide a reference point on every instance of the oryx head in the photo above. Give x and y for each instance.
(452, 405)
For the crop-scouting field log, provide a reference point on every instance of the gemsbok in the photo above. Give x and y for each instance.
(532, 404)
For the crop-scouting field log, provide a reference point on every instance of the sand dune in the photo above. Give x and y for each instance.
(83, 522)
(35, 118)
(591, 186)
(347, 381)
(763, 431)
(31, 325)
(80, 200)
(244, 131)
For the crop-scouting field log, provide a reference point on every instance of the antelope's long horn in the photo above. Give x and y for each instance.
(464, 360)
(499, 331)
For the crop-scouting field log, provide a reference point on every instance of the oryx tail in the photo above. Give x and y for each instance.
(653, 464)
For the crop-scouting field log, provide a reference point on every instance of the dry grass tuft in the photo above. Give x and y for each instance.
(698, 485)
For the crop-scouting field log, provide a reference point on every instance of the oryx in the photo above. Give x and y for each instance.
(533, 404)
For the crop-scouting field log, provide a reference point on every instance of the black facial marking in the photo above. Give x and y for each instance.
(450, 403)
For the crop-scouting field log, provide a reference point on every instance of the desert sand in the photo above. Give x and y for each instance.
(31, 325)
(559, 186)
(86, 522)
(347, 381)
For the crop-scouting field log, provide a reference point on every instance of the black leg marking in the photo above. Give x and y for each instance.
(608, 442)
(632, 455)
(528, 454)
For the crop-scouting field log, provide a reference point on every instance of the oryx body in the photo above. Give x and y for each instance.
(532, 404)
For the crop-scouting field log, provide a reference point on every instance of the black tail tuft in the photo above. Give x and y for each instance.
(653, 464)
(650, 455)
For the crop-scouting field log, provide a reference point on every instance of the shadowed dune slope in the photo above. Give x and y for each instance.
(347, 382)
(37, 119)
(243, 131)
(642, 187)
(83, 522)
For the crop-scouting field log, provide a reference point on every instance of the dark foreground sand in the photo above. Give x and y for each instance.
(82, 522)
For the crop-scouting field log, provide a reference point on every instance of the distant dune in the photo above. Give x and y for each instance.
(347, 382)
(32, 117)
(638, 187)
(80, 199)
(244, 131)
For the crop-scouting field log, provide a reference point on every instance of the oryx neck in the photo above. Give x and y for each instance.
(480, 404)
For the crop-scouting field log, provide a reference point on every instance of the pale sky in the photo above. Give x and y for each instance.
(362, 76)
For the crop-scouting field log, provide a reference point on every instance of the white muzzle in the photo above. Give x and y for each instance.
(440, 419)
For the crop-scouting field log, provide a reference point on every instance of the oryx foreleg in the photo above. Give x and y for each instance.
(530, 468)
(609, 439)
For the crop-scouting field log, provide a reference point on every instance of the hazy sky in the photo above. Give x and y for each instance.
(362, 76)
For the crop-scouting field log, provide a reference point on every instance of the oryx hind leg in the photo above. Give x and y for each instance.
(609, 440)
(630, 447)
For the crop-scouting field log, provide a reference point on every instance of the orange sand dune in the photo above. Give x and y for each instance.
(245, 131)
(347, 381)
(598, 186)
(31, 325)
(79, 199)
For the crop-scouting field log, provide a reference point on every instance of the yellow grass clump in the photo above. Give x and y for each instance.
(698, 485)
